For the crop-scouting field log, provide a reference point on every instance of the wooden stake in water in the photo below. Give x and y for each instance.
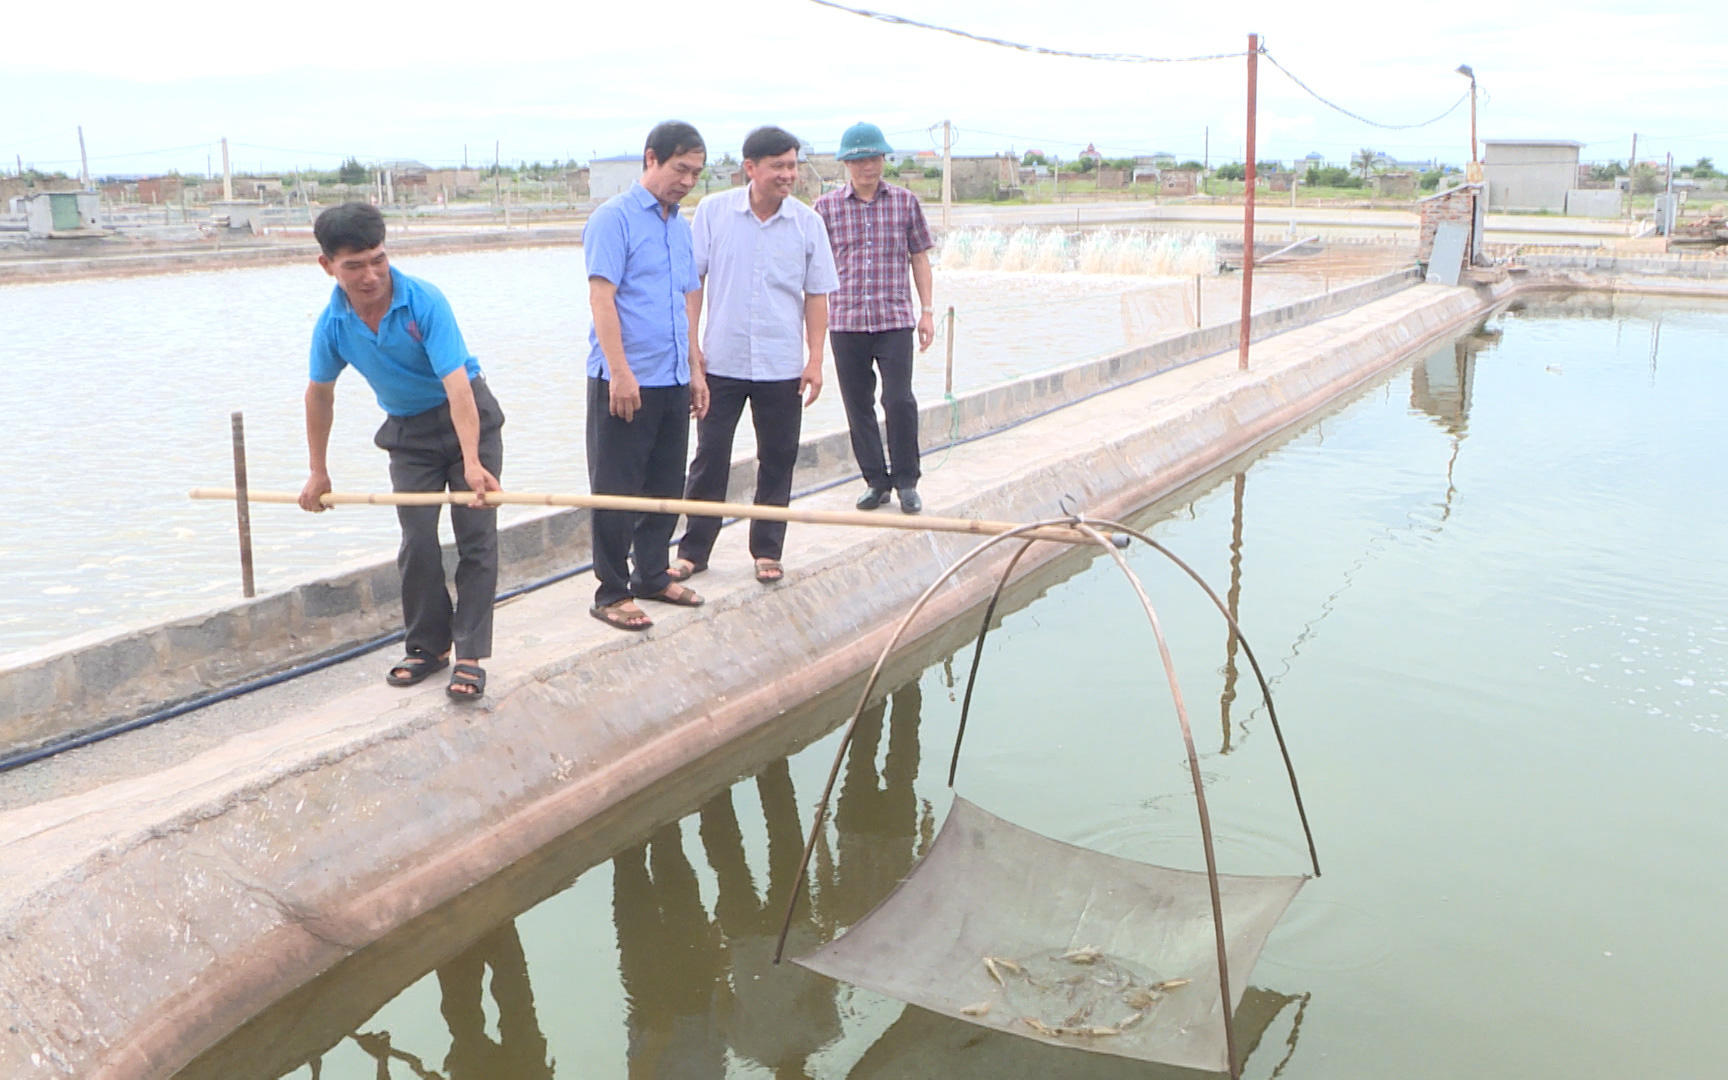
(242, 506)
(948, 377)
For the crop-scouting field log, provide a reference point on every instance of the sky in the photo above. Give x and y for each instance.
(544, 81)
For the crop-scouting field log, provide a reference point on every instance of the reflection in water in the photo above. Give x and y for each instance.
(777, 1015)
(697, 986)
(670, 960)
(1233, 601)
(1440, 386)
(520, 1052)
(927, 1044)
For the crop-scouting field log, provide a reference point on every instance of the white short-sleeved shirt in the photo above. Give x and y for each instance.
(758, 273)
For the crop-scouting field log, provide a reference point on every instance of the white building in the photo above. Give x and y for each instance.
(610, 176)
(1529, 174)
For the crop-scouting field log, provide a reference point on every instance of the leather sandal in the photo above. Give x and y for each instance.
(769, 571)
(615, 616)
(683, 570)
(418, 665)
(467, 682)
(683, 597)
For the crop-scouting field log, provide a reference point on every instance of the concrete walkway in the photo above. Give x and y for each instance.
(164, 886)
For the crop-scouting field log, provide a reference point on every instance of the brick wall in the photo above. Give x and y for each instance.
(1458, 204)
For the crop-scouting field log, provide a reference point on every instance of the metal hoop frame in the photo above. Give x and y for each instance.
(1090, 527)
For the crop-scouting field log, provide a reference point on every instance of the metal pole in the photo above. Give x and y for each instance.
(947, 172)
(1248, 214)
(1473, 157)
(227, 174)
(948, 378)
(242, 506)
(1198, 321)
(83, 158)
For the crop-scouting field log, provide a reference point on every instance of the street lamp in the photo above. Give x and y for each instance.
(1464, 70)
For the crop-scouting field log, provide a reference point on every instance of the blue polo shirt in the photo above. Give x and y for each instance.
(649, 258)
(417, 344)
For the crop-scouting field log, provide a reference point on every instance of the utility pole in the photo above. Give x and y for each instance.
(83, 158)
(227, 174)
(947, 172)
(1206, 157)
(497, 183)
(1248, 231)
(20, 164)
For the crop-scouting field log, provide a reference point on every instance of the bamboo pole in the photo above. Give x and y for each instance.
(692, 508)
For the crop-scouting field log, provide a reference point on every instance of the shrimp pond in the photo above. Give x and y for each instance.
(1491, 593)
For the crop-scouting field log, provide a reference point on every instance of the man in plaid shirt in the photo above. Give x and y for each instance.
(877, 230)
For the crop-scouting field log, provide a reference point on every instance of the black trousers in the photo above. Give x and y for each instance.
(776, 410)
(856, 358)
(425, 456)
(642, 457)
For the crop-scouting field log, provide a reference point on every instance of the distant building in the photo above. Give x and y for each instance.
(1395, 185)
(1092, 153)
(452, 181)
(1529, 174)
(613, 175)
(1178, 183)
(985, 177)
(160, 189)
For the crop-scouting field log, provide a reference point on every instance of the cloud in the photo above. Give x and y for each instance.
(549, 80)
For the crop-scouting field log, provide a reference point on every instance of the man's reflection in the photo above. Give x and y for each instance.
(776, 1015)
(670, 961)
(520, 1051)
(877, 823)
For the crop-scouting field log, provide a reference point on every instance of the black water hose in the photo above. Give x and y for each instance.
(74, 742)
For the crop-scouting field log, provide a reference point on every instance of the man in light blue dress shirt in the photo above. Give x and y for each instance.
(642, 385)
(766, 272)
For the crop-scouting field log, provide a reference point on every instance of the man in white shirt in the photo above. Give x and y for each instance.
(766, 271)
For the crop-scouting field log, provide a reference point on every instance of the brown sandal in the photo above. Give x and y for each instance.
(615, 616)
(682, 597)
(769, 571)
(683, 570)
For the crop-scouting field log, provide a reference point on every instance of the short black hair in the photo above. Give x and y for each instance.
(671, 138)
(769, 141)
(354, 226)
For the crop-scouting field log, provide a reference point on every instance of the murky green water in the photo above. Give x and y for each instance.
(1493, 596)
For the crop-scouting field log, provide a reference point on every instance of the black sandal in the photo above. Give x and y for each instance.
(466, 675)
(418, 664)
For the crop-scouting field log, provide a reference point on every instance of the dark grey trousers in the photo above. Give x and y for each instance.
(642, 457)
(857, 356)
(425, 456)
(776, 410)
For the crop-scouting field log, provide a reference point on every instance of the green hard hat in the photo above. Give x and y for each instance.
(862, 141)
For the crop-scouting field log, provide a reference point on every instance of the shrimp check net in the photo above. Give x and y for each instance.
(1001, 927)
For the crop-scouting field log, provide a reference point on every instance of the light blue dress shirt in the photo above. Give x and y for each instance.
(647, 257)
(758, 273)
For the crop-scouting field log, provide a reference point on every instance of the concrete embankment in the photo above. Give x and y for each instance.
(213, 256)
(143, 918)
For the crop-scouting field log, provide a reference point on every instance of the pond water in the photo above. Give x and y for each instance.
(1491, 595)
(123, 388)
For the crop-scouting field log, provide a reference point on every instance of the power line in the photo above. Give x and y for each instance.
(1354, 116)
(1116, 58)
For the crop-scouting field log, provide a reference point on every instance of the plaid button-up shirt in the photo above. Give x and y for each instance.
(873, 246)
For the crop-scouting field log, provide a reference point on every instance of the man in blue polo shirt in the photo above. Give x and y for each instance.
(442, 429)
(642, 387)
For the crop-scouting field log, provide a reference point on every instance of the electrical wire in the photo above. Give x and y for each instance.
(1115, 58)
(1357, 116)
